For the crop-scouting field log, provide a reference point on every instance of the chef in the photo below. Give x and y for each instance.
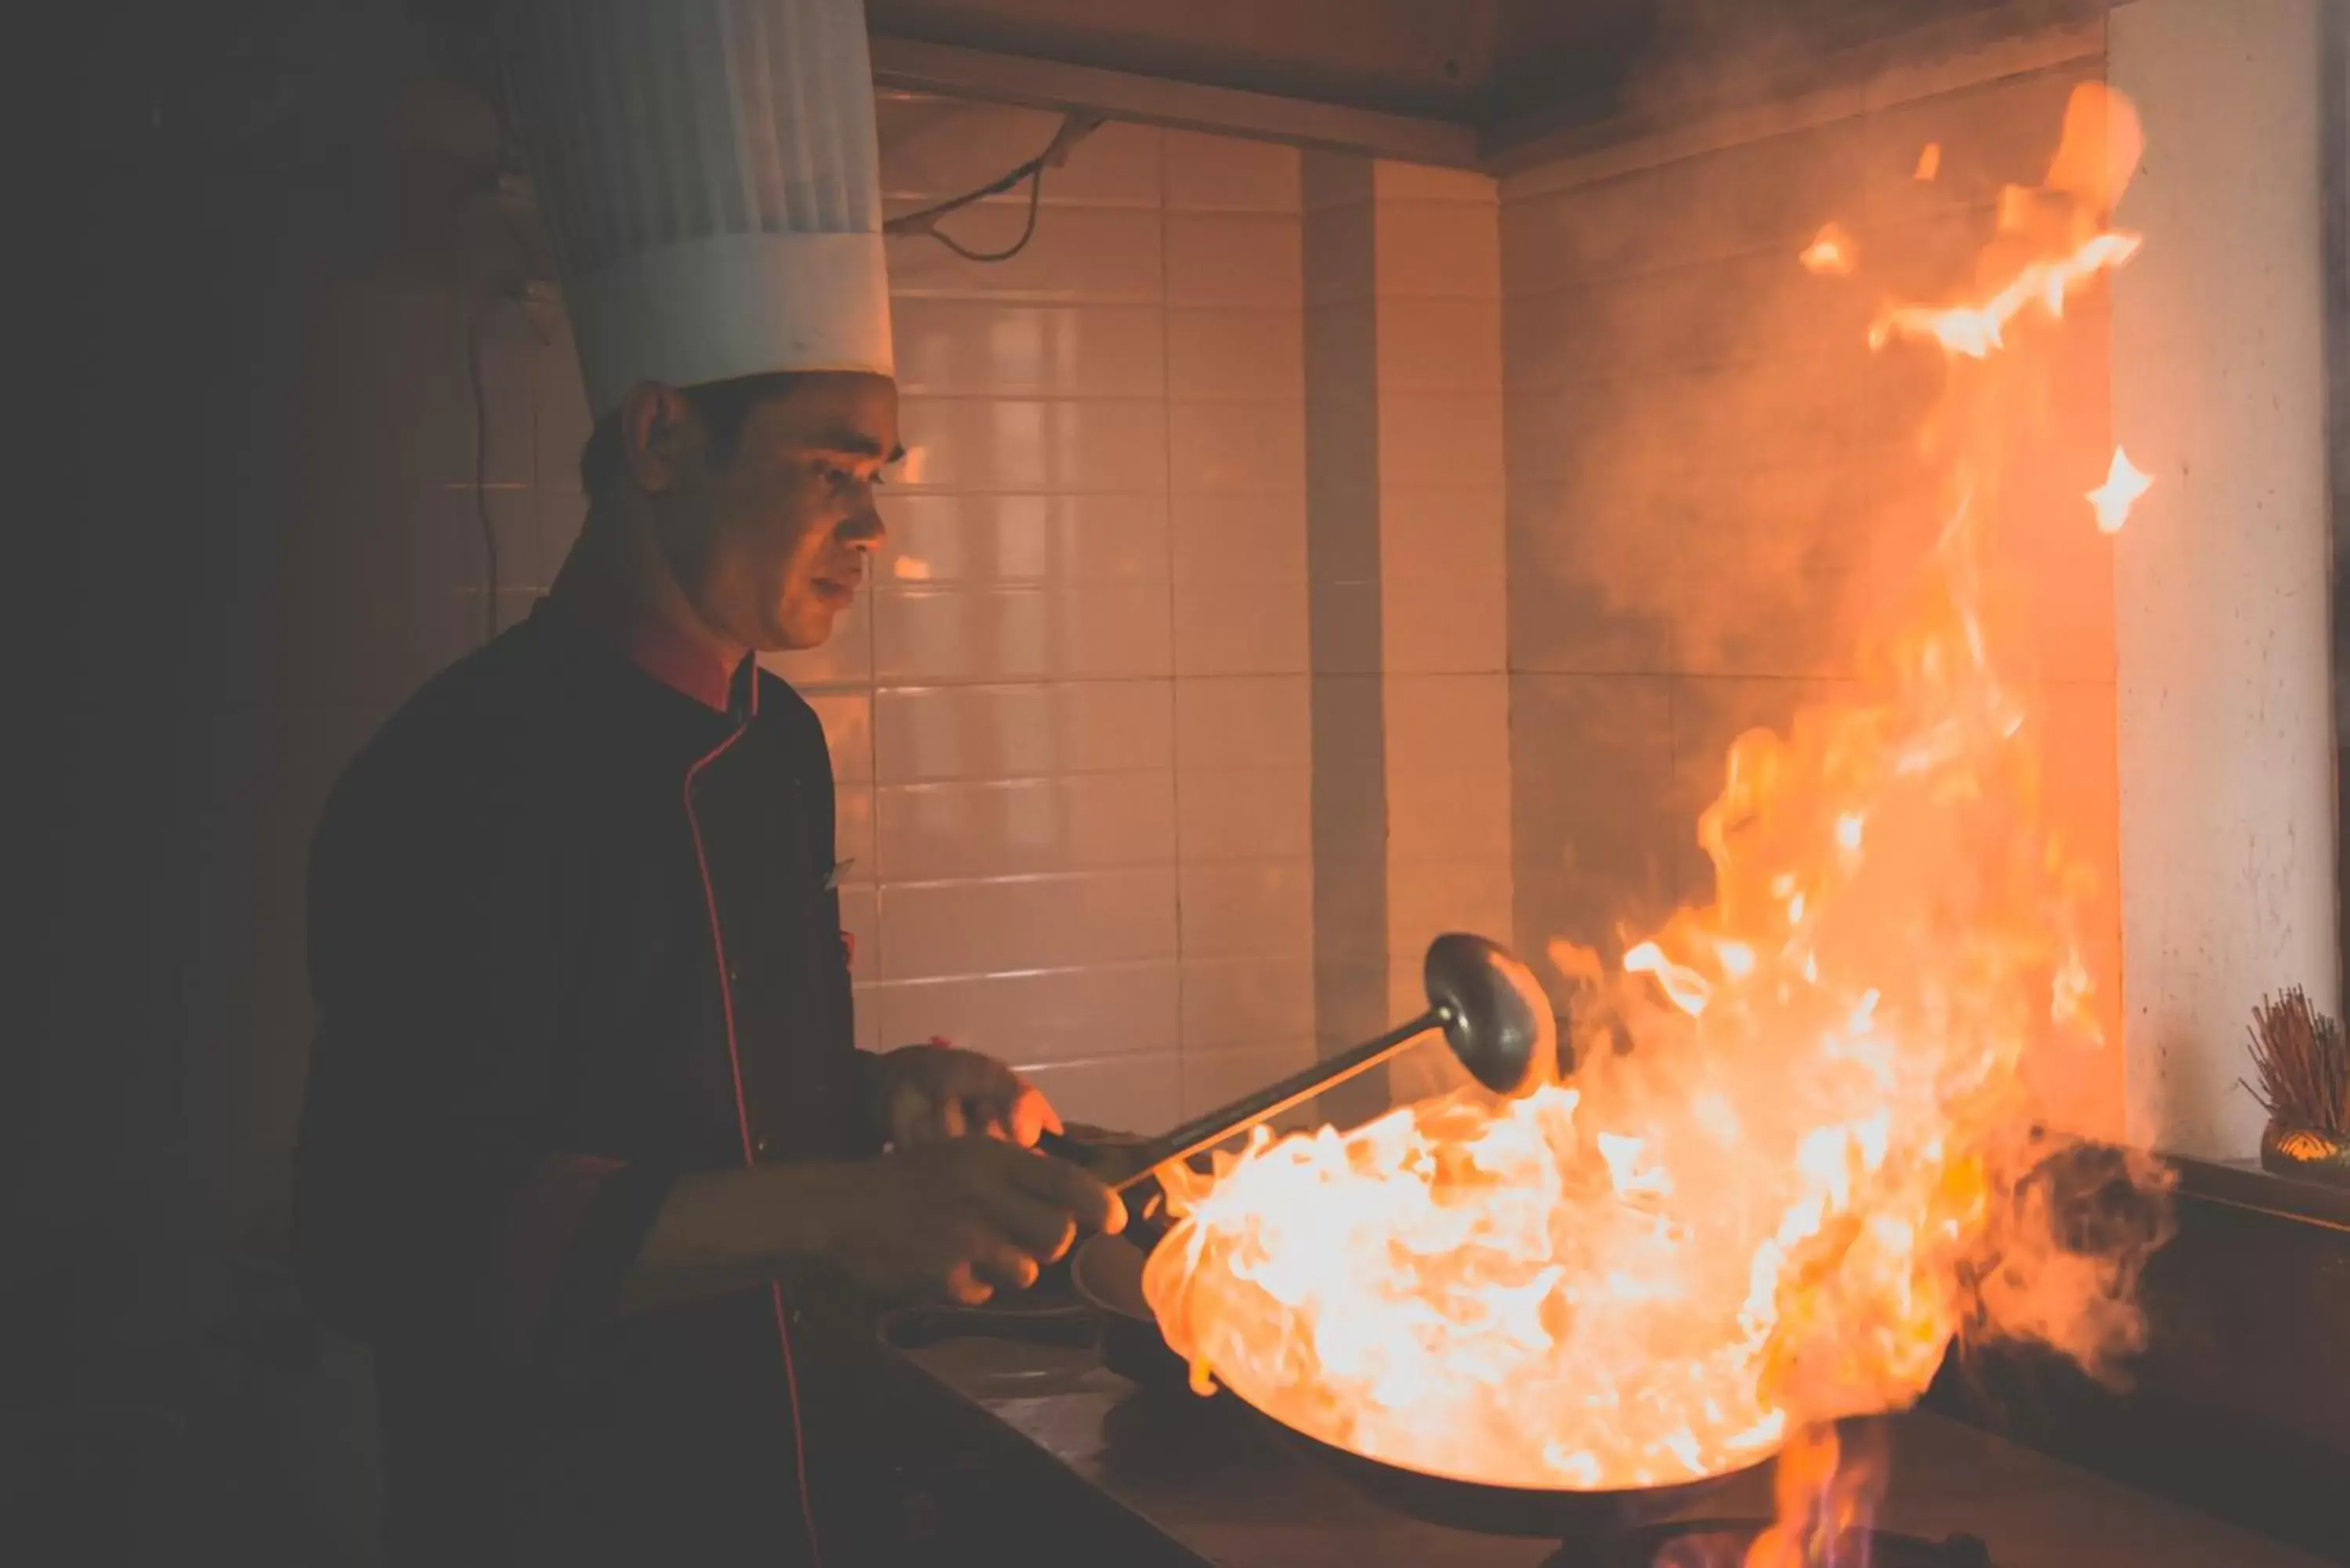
(588, 1157)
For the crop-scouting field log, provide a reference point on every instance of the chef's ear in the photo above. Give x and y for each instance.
(657, 432)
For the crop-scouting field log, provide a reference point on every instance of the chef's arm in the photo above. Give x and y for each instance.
(961, 1218)
(721, 1231)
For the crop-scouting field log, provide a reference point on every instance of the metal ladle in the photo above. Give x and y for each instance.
(1492, 1013)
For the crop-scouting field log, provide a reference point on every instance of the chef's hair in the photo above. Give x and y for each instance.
(721, 406)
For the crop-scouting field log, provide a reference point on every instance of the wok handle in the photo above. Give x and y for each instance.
(1204, 1131)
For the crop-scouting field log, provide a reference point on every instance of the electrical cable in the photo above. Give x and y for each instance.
(1027, 232)
(1075, 128)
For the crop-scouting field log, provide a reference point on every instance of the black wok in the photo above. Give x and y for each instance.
(1109, 1276)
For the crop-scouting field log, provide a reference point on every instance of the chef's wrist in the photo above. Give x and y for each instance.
(797, 1209)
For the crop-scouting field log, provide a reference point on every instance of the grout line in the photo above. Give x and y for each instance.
(1174, 631)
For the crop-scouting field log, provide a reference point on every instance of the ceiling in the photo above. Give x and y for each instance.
(1489, 63)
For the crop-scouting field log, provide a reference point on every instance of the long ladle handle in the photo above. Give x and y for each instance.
(1203, 1131)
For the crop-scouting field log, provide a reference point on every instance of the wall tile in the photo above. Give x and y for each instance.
(1244, 721)
(852, 833)
(1769, 566)
(506, 343)
(1760, 196)
(934, 148)
(1703, 313)
(938, 831)
(983, 346)
(1236, 352)
(1022, 443)
(512, 514)
(1350, 998)
(1447, 720)
(560, 418)
(866, 1026)
(845, 656)
(1242, 628)
(1078, 256)
(1342, 533)
(1427, 898)
(946, 538)
(1340, 253)
(1225, 174)
(1349, 771)
(1123, 1094)
(1049, 1017)
(1246, 536)
(1446, 624)
(1394, 182)
(560, 515)
(1592, 765)
(847, 720)
(1246, 813)
(1591, 583)
(1342, 348)
(403, 604)
(1439, 345)
(1027, 923)
(997, 731)
(1213, 1078)
(1241, 910)
(1438, 249)
(1433, 439)
(860, 916)
(1234, 258)
(1343, 633)
(1093, 632)
(1334, 180)
(1438, 811)
(1455, 530)
(1244, 1001)
(1237, 446)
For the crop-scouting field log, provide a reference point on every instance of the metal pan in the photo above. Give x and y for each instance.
(1109, 1276)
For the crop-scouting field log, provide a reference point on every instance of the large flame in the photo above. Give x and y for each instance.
(1791, 1165)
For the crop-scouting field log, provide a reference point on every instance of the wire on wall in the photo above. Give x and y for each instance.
(1075, 128)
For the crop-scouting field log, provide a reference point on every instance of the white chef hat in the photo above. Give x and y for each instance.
(710, 174)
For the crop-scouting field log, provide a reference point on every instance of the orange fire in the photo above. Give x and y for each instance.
(1789, 1167)
(2112, 500)
(1830, 252)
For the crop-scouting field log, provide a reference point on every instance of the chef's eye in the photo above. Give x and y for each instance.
(844, 478)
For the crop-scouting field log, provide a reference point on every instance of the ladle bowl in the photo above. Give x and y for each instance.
(1488, 1006)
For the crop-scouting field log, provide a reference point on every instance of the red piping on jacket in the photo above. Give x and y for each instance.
(743, 1119)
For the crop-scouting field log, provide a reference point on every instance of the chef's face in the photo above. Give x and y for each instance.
(770, 538)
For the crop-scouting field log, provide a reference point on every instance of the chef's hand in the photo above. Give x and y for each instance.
(962, 1217)
(923, 1094)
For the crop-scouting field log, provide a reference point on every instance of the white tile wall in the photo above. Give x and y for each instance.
(1087, 678)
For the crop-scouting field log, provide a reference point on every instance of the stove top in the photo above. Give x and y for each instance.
(1171, 1479)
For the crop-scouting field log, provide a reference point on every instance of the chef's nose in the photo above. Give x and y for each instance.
(864, 530)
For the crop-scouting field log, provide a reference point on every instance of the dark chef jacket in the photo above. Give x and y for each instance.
(572, 930)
